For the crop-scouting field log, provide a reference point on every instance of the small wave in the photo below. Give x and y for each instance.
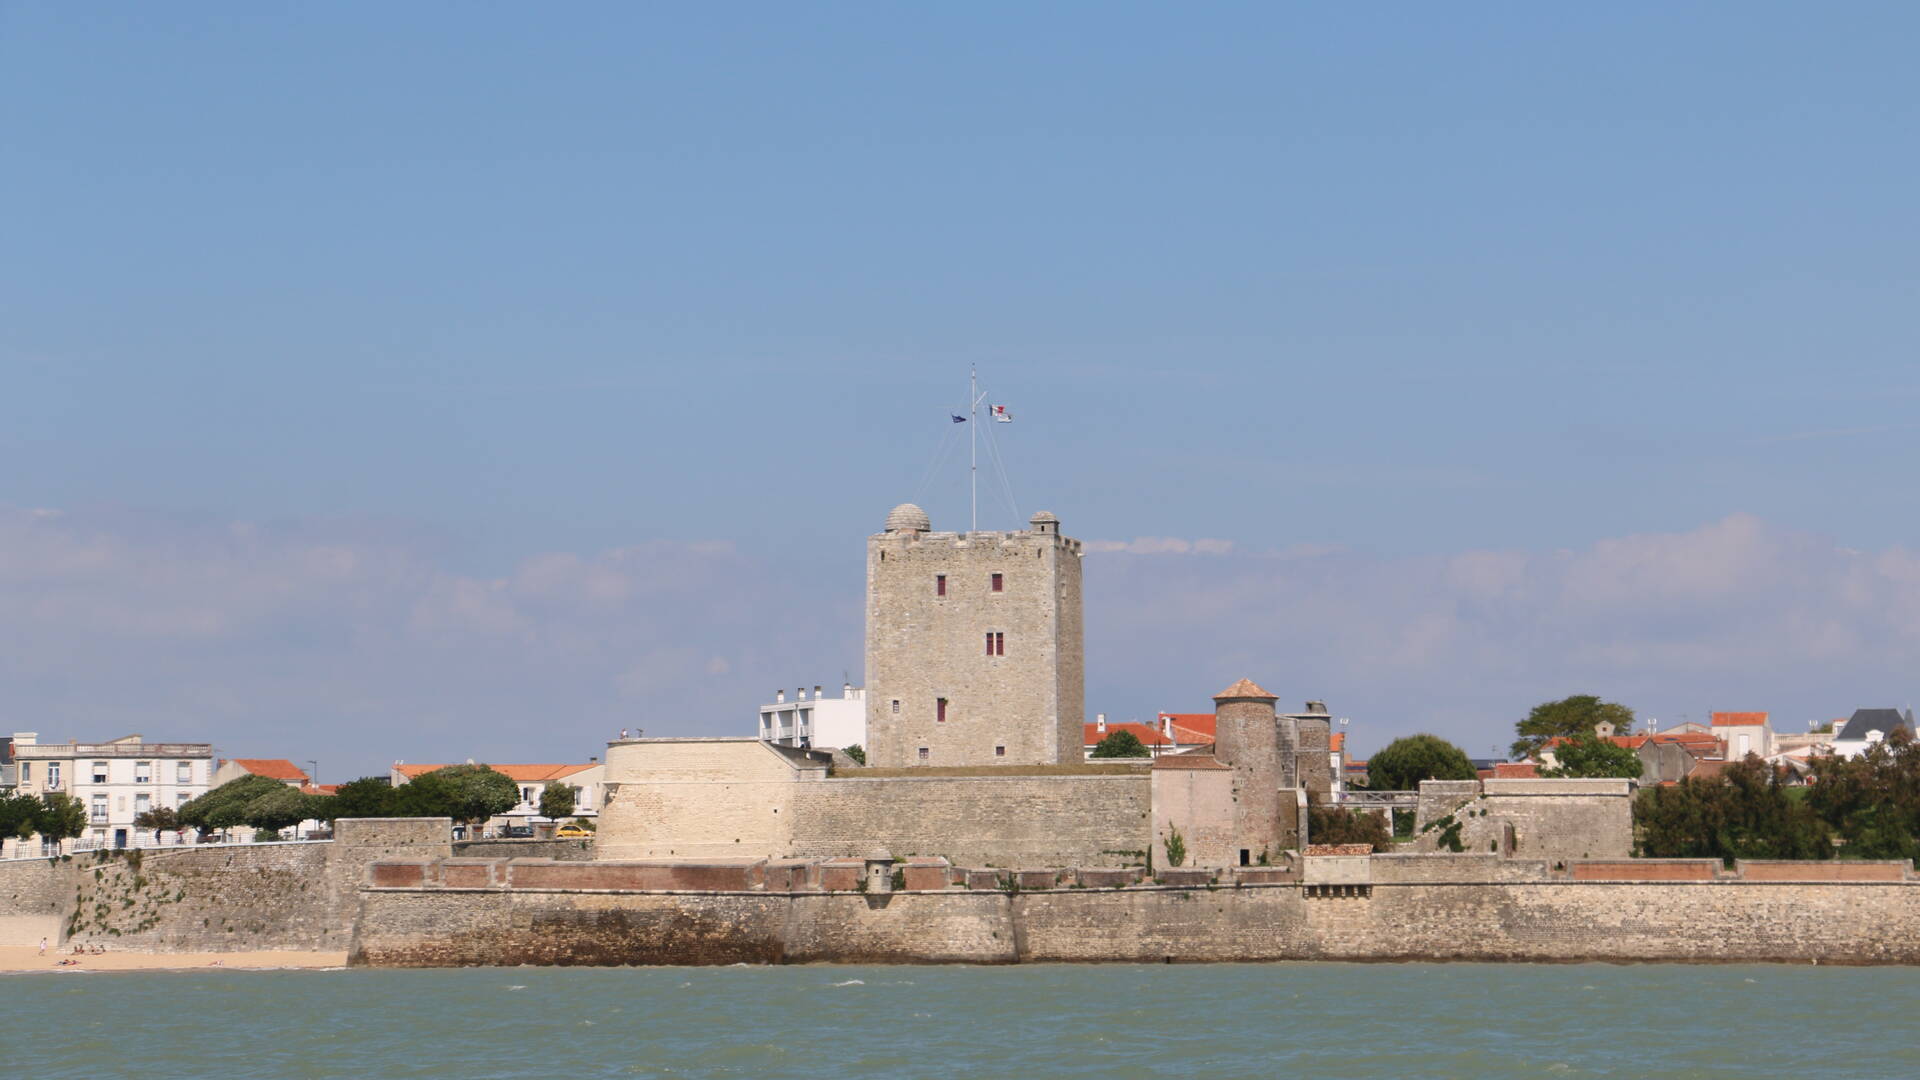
(852, 982)
(521, 986)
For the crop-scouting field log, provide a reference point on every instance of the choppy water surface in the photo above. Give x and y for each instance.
(1408, 1022)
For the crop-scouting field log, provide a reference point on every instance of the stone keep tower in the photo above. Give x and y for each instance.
(974, 645)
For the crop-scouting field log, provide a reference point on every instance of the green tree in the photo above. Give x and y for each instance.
(1406, 761)
(17, 815)
(59, 817)
(273, 811)
(1745, 813)
(556, 800)
(1569, 717)
(1121, 743)
(322, 808)
(225, 807)
(1588, 755)
(1338, 825)
(159, 819)
(367, 797)
(469, 794)
(1872, 802)
(856, 752)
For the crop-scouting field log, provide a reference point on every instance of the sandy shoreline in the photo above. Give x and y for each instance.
(14, 958)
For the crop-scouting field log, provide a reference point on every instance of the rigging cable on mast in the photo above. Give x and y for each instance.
(948, 443)
(1000, 468)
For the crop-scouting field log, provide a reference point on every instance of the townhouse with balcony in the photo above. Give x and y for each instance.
(116, 781)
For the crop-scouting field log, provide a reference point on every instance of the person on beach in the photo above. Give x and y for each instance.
(43, 946)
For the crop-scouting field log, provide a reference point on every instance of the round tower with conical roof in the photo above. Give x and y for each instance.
(1249, 739)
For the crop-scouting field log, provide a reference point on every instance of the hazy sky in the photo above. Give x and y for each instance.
(432, 381)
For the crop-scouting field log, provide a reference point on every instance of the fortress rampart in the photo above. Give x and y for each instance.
(1426, 907)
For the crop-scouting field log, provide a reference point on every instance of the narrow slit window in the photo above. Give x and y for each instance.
(939, 584)
(999, 583)
(999, 643)
(940, 710)
(896, 706)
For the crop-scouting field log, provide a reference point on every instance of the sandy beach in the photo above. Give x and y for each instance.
(14, 958)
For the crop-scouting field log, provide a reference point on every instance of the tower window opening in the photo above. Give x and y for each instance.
(999, 583)
(940, 710)
(939, 584)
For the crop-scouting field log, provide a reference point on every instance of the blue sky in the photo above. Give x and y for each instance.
(453, 380)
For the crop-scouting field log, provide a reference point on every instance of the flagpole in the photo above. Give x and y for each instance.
(973, 442)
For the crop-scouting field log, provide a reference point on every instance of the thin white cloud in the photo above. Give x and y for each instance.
(1160, 545)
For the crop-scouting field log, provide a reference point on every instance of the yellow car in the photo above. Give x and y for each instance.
(571, 831)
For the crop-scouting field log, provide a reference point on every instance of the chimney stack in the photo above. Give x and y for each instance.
(779, 697)
(1100, 722)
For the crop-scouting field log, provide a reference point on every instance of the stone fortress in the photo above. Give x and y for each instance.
(975, 692)
(997, 845)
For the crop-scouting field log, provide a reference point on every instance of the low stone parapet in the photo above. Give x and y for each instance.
(1837, 870)
(1644, 869)
(1188, 877)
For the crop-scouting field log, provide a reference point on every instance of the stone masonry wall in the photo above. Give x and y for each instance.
(1008, 821)
(736, 798)
(217, 897)
(1528, 819)
(1408, 911)
(1021, 708)
(33, 899)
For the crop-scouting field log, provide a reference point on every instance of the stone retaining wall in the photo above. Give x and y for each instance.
(1353, 908)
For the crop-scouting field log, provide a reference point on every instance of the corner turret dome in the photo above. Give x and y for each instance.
(908, 518)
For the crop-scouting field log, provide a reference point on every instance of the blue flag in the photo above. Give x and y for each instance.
(958, 419)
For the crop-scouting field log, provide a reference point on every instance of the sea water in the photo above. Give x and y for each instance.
(1405, 1021)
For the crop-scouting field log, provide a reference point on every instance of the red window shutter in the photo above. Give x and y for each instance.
(939, 584)
(940, 710)
(998, 583)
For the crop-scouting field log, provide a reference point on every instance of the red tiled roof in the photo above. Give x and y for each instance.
(1631, 742)
(1191, 727)
(1515, 770)
(1339, 741)
(1146, 733)
(523, 774)
(272, 768)
(1739, 719)
(1245, 688)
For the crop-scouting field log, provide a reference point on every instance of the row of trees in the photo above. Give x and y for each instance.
(1866, 807)
(469, 794)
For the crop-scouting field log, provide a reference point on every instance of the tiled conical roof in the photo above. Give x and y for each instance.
(1245, 688)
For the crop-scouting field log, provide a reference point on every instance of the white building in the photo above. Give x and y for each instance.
(818, 722)
(116, 781)
(1868, 726)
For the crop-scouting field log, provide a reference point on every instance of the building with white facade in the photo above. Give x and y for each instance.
(116, 781)
(818, 722)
